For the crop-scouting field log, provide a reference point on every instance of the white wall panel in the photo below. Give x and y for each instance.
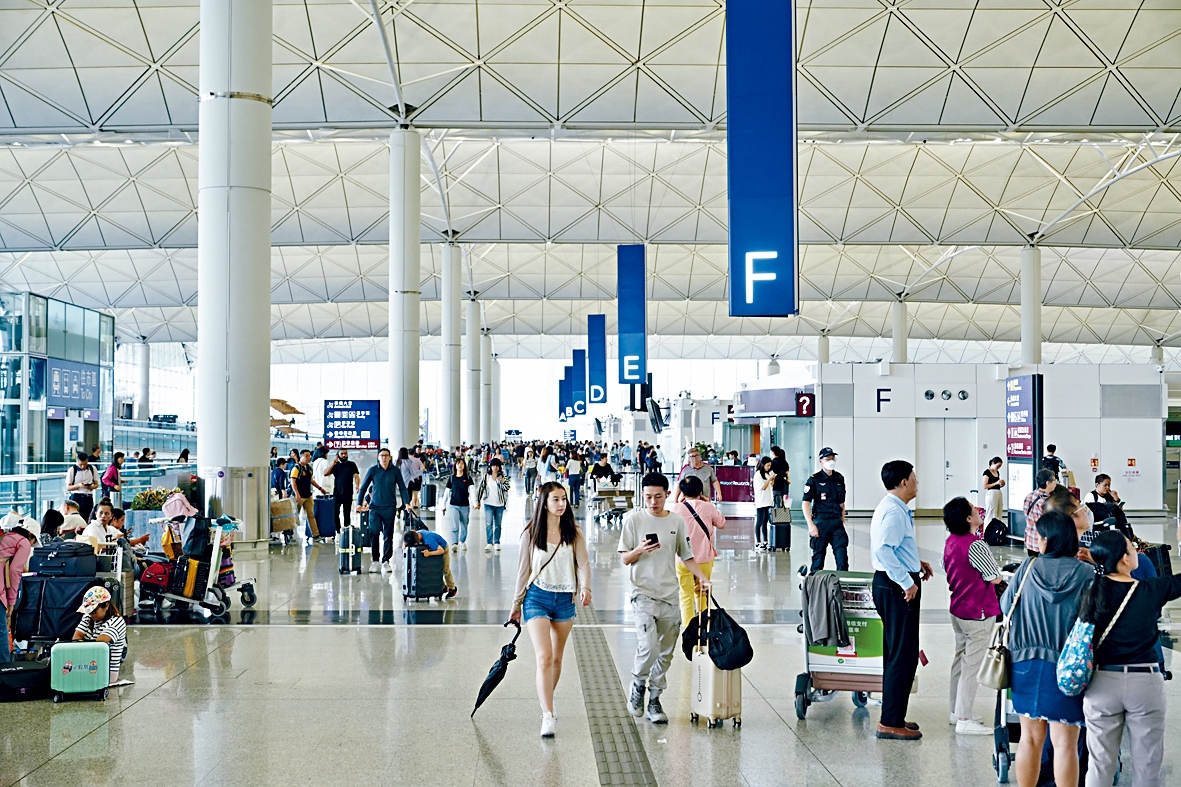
(1125, 440)
(878, 440)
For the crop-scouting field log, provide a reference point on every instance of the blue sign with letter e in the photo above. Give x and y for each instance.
(761, 158)
(633, 315)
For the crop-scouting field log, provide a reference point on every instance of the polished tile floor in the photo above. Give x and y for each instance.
(333, 680)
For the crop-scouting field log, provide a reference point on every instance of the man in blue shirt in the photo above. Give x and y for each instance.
(897, 570)
(433, 544)
(279, 477)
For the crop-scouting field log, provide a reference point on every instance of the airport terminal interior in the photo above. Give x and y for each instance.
(243, 243)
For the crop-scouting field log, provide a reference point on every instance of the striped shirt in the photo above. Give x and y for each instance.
(114, 627)
(980, 556)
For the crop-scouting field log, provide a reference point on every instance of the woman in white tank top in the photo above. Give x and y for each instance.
(554, 565)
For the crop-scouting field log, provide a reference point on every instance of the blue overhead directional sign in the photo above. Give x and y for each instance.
(761, 158)
(596, 343)
(633, 315)
(578, 388)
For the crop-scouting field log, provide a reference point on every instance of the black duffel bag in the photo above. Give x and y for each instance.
(195, 538)
(728, 644)
(64, 559)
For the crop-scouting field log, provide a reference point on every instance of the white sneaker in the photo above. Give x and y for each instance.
(971, 727)
(455, 547)
(498, 547)
(463, 547)
(375, 567)
(549, 725)
(487, 547)
(390, 565)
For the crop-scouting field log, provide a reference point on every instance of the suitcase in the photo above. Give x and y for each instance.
(282, 515)
(429, 496)
(47, 607)
(190, 578)
(64, 559)
(24, 680)
(780, 536)
(79, 668)
(350, 550)
(715, 695)
(423, 576)
(1159, 555)
(366, 532)
(324, 509)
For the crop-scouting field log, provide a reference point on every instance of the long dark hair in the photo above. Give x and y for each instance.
(766, 460)
(1099, 604)
(538, 526)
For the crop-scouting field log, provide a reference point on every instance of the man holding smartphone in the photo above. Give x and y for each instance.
(650, 543)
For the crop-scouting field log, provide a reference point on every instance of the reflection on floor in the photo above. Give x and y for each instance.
(337, 680)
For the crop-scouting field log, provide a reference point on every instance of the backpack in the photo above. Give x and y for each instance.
(1053, 464)
(995, 533)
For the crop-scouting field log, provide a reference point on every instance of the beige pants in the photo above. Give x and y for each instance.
(309, 510)
(689, 589)
(971, 643)
(993, 505)
(1135, 702)
(448, 580)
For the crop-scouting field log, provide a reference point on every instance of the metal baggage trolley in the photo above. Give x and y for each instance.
(857, 668)
(212, 596)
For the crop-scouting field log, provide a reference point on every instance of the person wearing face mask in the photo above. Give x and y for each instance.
(823, 504)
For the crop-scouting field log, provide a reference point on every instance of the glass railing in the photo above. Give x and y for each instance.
(36, 493)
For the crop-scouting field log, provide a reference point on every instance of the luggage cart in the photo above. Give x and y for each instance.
(857, 668)
(213, 596)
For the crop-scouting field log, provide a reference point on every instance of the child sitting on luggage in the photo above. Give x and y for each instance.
(102, 622)
(433, 544)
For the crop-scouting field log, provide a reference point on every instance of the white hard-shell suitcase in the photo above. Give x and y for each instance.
(714, 694)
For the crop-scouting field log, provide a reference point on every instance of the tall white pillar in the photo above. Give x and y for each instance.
(485, 388)
(1156, 354)
(1031, 305)
(474, 351)
(234, 262)
(497, 434)
(822, 353)
(900, 333)
(452, 317)
(405, 243)
(143, 405)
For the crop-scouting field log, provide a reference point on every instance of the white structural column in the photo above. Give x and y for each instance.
(486, 388)
(474, 352)
(143, 405)
(822, 352)
(234, 261)
(1156, 354)
(1031, 305)
(452, 320)
(405, 243)
(899, 337)
(496, 433)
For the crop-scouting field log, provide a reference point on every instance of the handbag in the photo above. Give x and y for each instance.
(1076, 664)
(781, 516)
(995, 672)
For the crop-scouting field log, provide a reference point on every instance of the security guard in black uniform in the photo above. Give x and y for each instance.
(824, 509)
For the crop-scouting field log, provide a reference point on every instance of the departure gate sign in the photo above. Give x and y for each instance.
(352, 423)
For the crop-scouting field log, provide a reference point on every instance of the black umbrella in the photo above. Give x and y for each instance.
(499, 668)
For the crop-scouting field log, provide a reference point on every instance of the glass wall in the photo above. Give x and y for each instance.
(11, 324)
(10, 412)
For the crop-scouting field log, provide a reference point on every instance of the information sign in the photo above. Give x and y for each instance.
(352, 423)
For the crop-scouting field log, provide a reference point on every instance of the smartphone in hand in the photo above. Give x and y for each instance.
(652, 538)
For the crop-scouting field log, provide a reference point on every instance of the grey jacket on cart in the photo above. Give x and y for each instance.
(824, 617)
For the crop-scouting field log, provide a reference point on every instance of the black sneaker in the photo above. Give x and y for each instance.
(635, 704)
(655, 712)
(451, 593)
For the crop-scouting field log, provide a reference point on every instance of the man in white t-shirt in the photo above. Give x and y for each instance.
(73, 523)
(650, 542)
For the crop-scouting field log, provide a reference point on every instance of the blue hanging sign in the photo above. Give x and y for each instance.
(633, 315)
(568, 396)
(564, 396)
(760, 87)
(72, 385)
(596, 342)
(578, 388)
(352, 423)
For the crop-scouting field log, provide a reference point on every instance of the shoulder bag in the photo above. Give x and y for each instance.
(995, 672)
(1076, 663)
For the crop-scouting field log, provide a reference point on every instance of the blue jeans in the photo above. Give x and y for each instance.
(493, 515)
(575, 488)
(459, 520)
(5, 653)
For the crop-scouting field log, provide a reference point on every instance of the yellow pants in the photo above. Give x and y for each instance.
(689, 587)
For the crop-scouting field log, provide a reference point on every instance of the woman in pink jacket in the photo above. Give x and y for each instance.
(15, 548)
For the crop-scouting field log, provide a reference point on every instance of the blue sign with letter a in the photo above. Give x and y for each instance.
(761, 158)
(633, 315)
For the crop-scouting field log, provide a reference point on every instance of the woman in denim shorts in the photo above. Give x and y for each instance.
(554, 566)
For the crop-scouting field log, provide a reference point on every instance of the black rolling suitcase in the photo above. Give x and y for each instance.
(350, 550)
(366, 531)
(47, 607)
(429, 494)
(423, 576)
(324, 509)
(1159, 555)
(24, 680)
(780, 536)
(64, 559)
